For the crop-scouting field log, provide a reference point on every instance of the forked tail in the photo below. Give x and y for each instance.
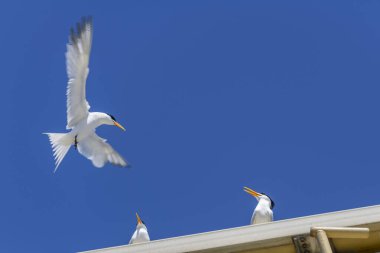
(60, 142)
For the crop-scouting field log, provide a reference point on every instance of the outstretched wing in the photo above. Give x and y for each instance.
(99, 151)
(77, 58)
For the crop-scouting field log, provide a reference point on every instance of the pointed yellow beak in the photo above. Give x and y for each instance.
(119, 126)
(252, 192)
(138, 219)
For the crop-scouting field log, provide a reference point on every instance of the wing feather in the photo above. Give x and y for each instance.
(77, 58)
(99, 151)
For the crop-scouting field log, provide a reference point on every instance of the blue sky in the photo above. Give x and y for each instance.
(215, 95)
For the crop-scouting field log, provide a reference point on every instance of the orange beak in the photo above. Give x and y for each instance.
(119, 126)
(138, 219)
(252, 192)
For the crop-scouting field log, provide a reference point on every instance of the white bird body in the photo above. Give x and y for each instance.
(141, 232)
(140, 235)
(262, 213)
(82, 122)
(87, 125)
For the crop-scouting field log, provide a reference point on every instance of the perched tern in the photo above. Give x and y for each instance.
(82, 122)
(141, 233)
(263, 211)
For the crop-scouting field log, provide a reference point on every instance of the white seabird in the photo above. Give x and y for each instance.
(80, 121)
(263, 211)
(141, 232)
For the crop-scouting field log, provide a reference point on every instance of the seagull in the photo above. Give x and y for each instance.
(80, 121)
(141, 233)
(263, 211)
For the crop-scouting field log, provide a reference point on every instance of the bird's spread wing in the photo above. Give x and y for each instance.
(77, 57)
(99, 151)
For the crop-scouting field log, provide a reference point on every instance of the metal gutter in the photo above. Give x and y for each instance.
(265, 235)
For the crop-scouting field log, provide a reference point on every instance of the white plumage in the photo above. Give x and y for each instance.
(263, 211)
(141, 232)
(80, 121)
(77, 59)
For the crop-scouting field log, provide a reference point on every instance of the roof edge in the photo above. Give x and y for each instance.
(252, 233)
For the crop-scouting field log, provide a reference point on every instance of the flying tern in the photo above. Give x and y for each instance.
(263, 211)
(80, 121)
(141, 232)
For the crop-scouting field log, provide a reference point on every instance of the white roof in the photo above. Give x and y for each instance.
(276, 236)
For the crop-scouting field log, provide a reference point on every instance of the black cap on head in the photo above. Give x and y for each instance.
(112, 117)
(271, 201)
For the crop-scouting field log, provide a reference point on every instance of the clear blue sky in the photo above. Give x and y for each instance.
(215, 95)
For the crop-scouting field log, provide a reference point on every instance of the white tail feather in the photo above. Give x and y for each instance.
(61, 143)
